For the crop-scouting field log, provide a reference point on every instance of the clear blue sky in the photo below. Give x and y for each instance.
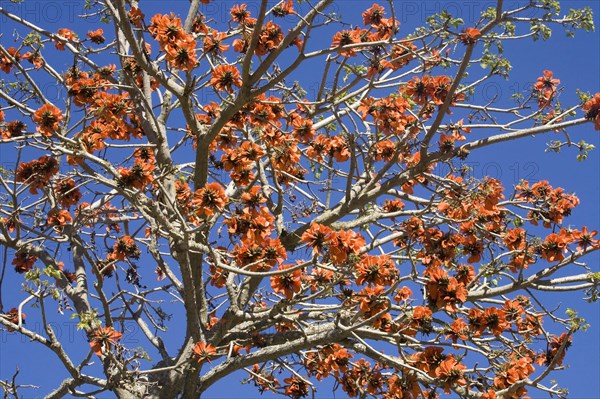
(576, 62)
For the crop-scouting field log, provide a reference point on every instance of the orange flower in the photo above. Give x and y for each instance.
(166, 28)
(344, 243)
(553, 247)
(34, 58)
(373, 15)
(136, 17)
(451, 373)
(515, 239)
(224, 77)
(48, 118)
(209, 199)
(37, 173)
(23, 262)
(320, 278)
(317, 236)
(585, 239)
(271, 36)
(376, 270)
(213, 43)
(138, 177)
(403, 294)
(458, 330)
(203, 352)
(419, 89)
(400, 55)
(546, 82)
(554, 347)
(66, 34)
(470, 36)
(288, 283)
(59, 217)
(592, 110)
(181, 53)
(13, 129)
(285, 7)
(124, 247)
(13, 317)
(67, 192)
(345, 38)
(102, 338)
(241, 15)
(296, 387)
(6, 64)
(96, 36)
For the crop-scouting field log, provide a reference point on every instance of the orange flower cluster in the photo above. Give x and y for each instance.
(470, 36)
(429, 89)
(259, 255)
(13, 317)
(264, 381)
(296, 387)
(444, 291)
(287, 284)
(376, 270)
(103, 338)
(380, 29)
(553, 205)
(390, 114)
(123, 248)
(224, 77)
(491, 318)
(362, 379)
(545, 89)
(252, 224)
(179, 46)
(285, 7)
(59, 218)
(208, 200)
(203, 352)
(239, 161)
(592, 110)
(67, 35)
(7, 63)
(23, 261)
(138, 176)
(213, 43)
(67, 192)
(403, 386)
(333, 146)
(48, 118)
(332, 245)
(12, 129)
(400, 55)
(111, 112)
(554, 352)
(37, 173)
(34, 58)
(270, 37)
(96, 36)
(331, 359)
(84, 88)
(349, 37)
(241, 15)
(136, 17)
(438, 365)
(453, 134)
(519, 368)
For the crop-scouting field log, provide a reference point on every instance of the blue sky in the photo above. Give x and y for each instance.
(576, 62)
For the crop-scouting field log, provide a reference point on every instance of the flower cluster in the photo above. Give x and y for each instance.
(179, 46)
(37, 173)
